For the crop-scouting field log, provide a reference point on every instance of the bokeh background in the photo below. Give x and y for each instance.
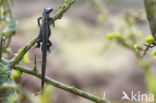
(81, 56)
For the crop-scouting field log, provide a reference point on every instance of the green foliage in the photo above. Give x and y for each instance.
(7, 19)
(26, 59)
(120, 39)
(149, 39)
(8, 31)
(137, 47)
(154, 53)
(6, 83)
(127, 35)
(111, 36)
(4, 74)
(152, 84)
(12, 99)
(129, 39)
(15, 74)
(45, 96)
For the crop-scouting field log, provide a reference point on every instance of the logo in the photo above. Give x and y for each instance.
(125, 96)
(137, 97)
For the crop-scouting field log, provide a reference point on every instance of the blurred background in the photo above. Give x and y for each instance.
(81, 56)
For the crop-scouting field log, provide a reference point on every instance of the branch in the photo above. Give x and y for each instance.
(63, 86)
(16, 59)
(11, 22)
(150, 8)
(67, 4)
(28, 46)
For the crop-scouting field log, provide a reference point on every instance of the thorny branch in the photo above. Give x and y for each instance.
(62, 86)
(67, 4)
(11, 29)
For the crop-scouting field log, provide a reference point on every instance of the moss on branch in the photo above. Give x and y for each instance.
(67, 4)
